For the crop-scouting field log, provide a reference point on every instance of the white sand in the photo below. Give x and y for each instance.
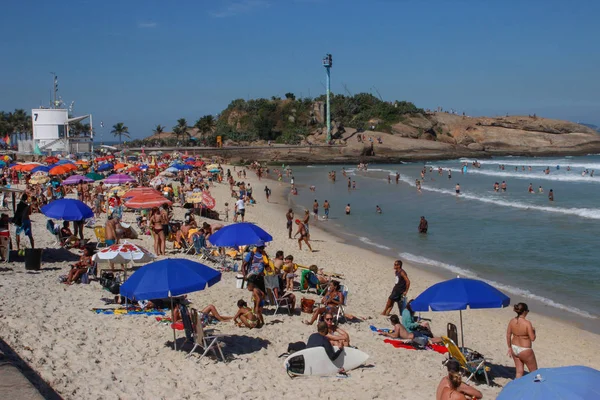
(88, 356)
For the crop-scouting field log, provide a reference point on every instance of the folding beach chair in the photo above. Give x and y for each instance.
(272, 289)
(309, 280)
(470, 365)
(100, 233)
(452, 332)
(341, 308)
(207, 343)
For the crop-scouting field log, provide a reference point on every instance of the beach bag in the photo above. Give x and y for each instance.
(296, 346)
(307, 305)
(85, 279)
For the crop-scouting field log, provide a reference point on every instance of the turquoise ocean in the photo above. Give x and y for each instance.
(529, 247)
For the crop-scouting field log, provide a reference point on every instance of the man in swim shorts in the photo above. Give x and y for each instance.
(399, 291)
(316, 209)
(326, 209)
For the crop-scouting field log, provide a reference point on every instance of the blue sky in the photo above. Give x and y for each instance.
(151, 62)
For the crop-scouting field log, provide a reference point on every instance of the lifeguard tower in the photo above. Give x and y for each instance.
(51, 132)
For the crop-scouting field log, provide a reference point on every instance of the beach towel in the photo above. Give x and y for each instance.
(401, 345)
(123, 311)
(379, 330)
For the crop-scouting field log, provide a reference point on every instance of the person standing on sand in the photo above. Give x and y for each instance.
(304, 235)
(290, 221)
(23, 222)
(267, 193)
(326, 209)
(316, 210)
(423, 225)
(520, 336)
(399, 291)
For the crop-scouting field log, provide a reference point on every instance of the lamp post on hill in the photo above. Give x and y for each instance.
(327, 63)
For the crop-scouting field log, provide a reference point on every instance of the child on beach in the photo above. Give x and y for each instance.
(226, 211)
(245, 315)
(258, 298)
(289, 268)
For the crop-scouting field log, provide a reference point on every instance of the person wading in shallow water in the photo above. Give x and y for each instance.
(423, 225)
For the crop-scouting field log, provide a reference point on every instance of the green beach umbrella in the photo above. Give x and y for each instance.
(94, 176)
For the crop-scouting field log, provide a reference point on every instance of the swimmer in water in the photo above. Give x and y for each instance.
(348, 209)
(397, 177)
(353, 184)
(457, 188)
(496, 187)
(541, 189)
(378, 209)
(389, 179)
(551, 195)
(530, 188)
(449, 174)
(503, 186)
(418, 185)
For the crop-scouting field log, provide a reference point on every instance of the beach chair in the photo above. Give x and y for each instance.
(341, 309)
(472, 367)
(205, 342)
(309, 280)
(100, 233)
(272, 292)
(186, 246)
(452, 332)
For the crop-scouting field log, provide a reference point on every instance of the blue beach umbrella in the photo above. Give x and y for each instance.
(186, 167)
(573, 382)
(68, 210)
(458, 294)
(167, 278)
(172, 170)
(241, 234)
(105, 167)
(42, 168)
(64, 161)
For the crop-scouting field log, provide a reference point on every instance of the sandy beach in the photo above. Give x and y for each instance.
(83, 355)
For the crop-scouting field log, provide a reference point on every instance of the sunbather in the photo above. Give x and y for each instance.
(454, 368)
(408, 320)
(245, 315)
(80, 267)
(452, 392)
(331, 301)
(335, 334)
(400, 332)
(520, 336)
(211, 311)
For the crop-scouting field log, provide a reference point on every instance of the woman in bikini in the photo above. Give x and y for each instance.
(335, 334)
(330, 302)
(519, 337)
(245, 315)
(157, 229)
(452, 393)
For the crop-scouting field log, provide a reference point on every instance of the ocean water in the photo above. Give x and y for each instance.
(522, 243)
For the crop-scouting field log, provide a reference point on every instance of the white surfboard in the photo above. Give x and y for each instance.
(314, 361)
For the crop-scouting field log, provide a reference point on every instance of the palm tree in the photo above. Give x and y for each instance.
(119, 129)
(182, 127)
(206, 124)
(177, 131)
(158, 130)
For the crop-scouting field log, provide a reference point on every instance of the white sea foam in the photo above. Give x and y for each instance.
(589, 213)
(506, 288)
(371, 243)
(552, 163)
(532, 176)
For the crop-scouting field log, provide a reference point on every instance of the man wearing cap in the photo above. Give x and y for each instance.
(454, 367)
(254, 264)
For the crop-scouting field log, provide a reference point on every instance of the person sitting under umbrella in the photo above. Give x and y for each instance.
(67, 236)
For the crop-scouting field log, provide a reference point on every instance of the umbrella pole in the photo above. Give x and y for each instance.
(172, 324)
(462, 333)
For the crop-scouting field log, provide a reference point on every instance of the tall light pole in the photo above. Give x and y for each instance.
(327, 63)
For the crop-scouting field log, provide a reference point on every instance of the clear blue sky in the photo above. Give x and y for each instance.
(150, 62)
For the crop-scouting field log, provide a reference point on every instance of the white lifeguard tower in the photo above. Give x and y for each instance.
(51, 132)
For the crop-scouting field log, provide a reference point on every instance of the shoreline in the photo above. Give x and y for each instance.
(564, 313)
